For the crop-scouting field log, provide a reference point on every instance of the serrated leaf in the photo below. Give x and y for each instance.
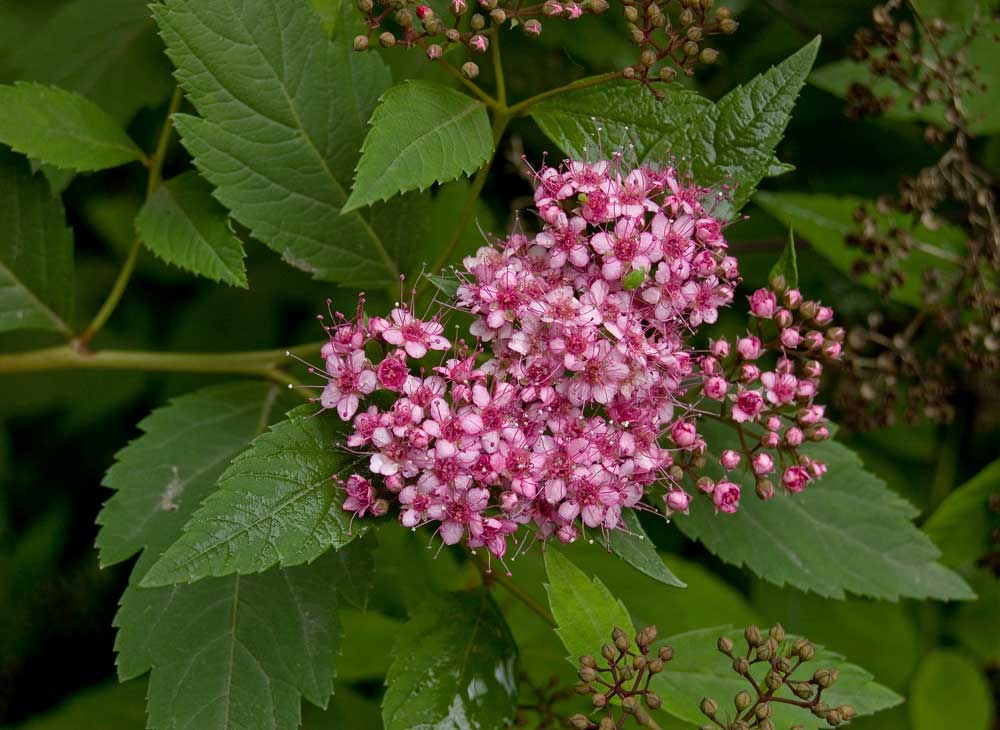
(444, 284)
(277, 504)
(825, 221)
(584, 609)
(184, 225)
(283, 113)
(699, 670)
(233, 652)
(62, 129)
(846, 533)
(452, 667)
(731, 142)
(36, 252)
(108, 52)
(787, 266)
(949, 690)
(421, 133)
(962, 524)
(634, 547)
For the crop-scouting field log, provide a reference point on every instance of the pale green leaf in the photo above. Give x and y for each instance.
(452, 667)
(184, 225)
(36, 252)
(731, 142)
(634, 547)
(846, 533)
(283, 112)
(949, 691)
(825, 222)
(62, 128)
(699, 670)
(584, 609)
(962, 524)
(277, 504)
(787, 266)
(421, 133)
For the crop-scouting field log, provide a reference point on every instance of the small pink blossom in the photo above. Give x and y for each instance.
(726, 497)
(763, 303)
(795, 478)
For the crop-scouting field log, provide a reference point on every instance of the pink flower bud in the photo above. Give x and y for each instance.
(812, 368)
(424, 11)
(773, 423)
(763, 303)
(812, 414)
(705, 484)
(458, 6)
(749, 373)
(720, 348)
(770, 440)
(573, 10)
(784, 318)
(748, 347)
(730, 459)
(805, 390)
(684, 434)
(552, 8)
(790, 338)
(817, 469)
(726, 497)
(822, 433)
(813, 340)
(677, 501)
(566, 534)
(532, 27)
(794, 436)
(832, 350)
(763, 464)
(792, 298)
(824, 315)
(508, 501)
(479, 43)
(795, 478)
(434, 52)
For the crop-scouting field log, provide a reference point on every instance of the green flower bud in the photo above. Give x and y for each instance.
(587, 674)
(641, 716)
(773, 681)
(694, 33)
(847, 713)
(690, 48)
(498, 16)
(803, 690)
(777, 633)
(762, 711)
(741, 666)
(631, 14)
(598, 6)
(821, 709)
(833, 718)
(639, 663)
(608, 652)
(629, 704)
(807, 652)
(668, 74)
(708, 56)
(404, 18)
(633, 280)
(365, 6)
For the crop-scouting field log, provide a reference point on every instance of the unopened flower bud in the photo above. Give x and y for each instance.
(728, 26)
(668, 74)
(765, 652)
(580, 722)
(653, 700)
(498, 16)
(629, 704)
(361, 43)
(725, 645)
(709, 707)
(807, 652)
(477, 22)
(666, 653)
(631, 14)
(762, 711)
(742, 700)
(686, 17)
(607, 723)
(453, 35)
(690, 48)
(773, 681)
(833, 718)
(599, 700)
(470, 70)
(598, 6)
(647, 58)
(655, 666)
(777, 633)
(847, 713)
(404, 18)
(458, 6)
(825, 677)
(583, 688)
(380, 507)
(741, 666)
(434, 51)
(387, 40)
(639, 663)
(588, 660)
(533, 27)
(587, 674)
(608, 652)
(821, 709)
(479, 43)
(803, 690)
(752, 635)
(365, 6)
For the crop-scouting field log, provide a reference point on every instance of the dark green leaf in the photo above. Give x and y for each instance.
(699, 670)
(845, 533)
(112, 706)
(825, 221)
(961, 526)
(36, 252)
(585, 611)
(634, 547)
(452, 668)
(731, 142)
(283, 113)
(787, 267)
(358, 661)
(949, 691)
(277, 504)
(421, 133)
(184, 225)
(62, 128)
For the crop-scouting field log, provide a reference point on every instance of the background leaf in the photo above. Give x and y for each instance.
(452, 667)
(283, 113)
(949, 691)
(36, 252)
(62, 128)
(421, 133)
(845, 533)
(277, 504)
(634, 547)
(182, 224)
(962, 524)
(586, 612)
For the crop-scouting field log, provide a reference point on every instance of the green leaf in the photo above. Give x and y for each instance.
(962, 524)
(825, 221)
(845, 533)
(976, 624)
(948, 690)
(108, 52)
(184, 225)
(634, 547)
(444, 284)
(421, 133)
(283, 113)
(699, 670)
(787, 267)
(112, 706)
(585, 611)
(36, 252)
(62, 128)
(731, 142)
(277, 504)
(452, 667)
(364, 631)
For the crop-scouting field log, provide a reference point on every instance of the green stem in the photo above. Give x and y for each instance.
(498, 69)
(488, 100)
(522, 106)
(515, 590)
(128, 267)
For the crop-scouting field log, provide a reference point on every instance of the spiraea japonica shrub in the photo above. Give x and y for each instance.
(511, 366)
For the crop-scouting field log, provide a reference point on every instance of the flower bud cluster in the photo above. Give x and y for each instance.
(768, 666)
(621, 684)
(583, 395)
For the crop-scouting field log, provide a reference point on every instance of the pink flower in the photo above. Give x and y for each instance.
(763, 303)
(780, 389)
(795, 478)
(350, 378)
(414, 336)
(748, 347)
(360, 495)
(762, 464)
(677, 501)
(716, 387)
(747, 406)
(726, 497)
(730, 459)
(626, 248)
(392, 373)
(684, 434)
(479, 43)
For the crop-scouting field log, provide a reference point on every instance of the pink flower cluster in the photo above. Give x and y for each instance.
(584, 393)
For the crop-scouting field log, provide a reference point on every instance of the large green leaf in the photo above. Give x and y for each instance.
(845, 533)
(949, 690)
(108, 51)
(584, 609)
(731, 142)
(283, 113)
(36, 252)
(277, 504)
(421, 133)
(962, 524)
(184, 225)
(699, 670)
(112, 706)
(452, 668)
(634, 547)
(825, 221)
(62, 128)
